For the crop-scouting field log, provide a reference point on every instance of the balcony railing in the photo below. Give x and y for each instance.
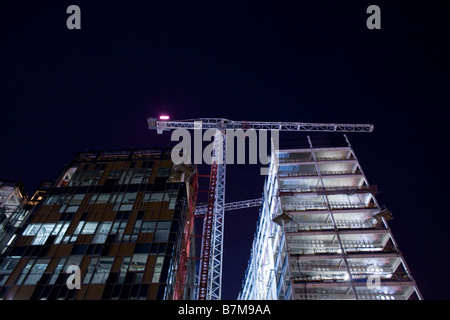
(310, 159)
(322, 173)
(306, 206)
(328, 190)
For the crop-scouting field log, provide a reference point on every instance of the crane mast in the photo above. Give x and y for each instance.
(210, 275)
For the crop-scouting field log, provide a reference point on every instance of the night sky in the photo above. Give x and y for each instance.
(64, 91)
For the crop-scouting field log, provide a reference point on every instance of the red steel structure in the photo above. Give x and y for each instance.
(207, 233)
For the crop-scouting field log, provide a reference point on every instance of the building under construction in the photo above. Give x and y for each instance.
(13, 211)
(322, 234)
(125, 218)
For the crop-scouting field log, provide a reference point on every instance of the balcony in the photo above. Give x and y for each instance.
(307, 206)
(328, 190)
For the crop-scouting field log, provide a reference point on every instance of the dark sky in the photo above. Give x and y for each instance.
(315, 61)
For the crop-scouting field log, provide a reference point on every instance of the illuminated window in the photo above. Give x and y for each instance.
(98, 270)
(89, 227)
(61, 232)
(137, 226)
(125, 201)
(124, 269)
(43, 233)
(33, 271)
(158, 269)
(102, 232)
(126, 177)
(172, 198)
(57, 271)
(138, 262)
(37, 271)
(99, 198)
(31, 229)
(6, 267)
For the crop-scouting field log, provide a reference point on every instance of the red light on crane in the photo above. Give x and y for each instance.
(164, 117)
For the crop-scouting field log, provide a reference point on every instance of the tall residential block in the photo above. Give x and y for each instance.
(322, 234)
(123, 218)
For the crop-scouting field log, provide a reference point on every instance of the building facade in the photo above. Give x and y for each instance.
(124, 219)
(14, 209)
(322, 234)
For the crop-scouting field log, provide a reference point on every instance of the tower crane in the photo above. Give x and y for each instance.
(210, 277)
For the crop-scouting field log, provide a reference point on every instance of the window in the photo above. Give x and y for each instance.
(162, 231)
(31, 229)
(69, 203)
(102, 232)
(7, 267)
(58, 270)
(138, 262)
(89, 227)
(86, 178)
(158, 269)
(163, 172)
(172, 198)
(137, 226)
(51, 200)
(126, 177)
(33, 271)
(124, 269)
(98, 270)
(148, 226)
(37, 271)
(62, 232)
(156, 197)
(43, 233)
(138, 176)
(103, 198)
(127, 200)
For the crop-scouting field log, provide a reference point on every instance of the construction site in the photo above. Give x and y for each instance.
(126, 219)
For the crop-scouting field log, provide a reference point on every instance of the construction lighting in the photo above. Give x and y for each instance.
(164, 117)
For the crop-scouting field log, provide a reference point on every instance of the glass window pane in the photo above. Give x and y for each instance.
(138, 176)
(43, 233)
(37, 271)
(62, 232)
(103, 198)
(148, 226)
(90, 270)
(138, 262)
(102, 271)
(79, 227)
(163, 172)
(158, 268)
(102, 232)
(32, 229)
(137, 226)
(58, 270)
(124, 269)
(89, 228)
(172, 199)
(162, 231)
(7, 267)
(157, 197)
